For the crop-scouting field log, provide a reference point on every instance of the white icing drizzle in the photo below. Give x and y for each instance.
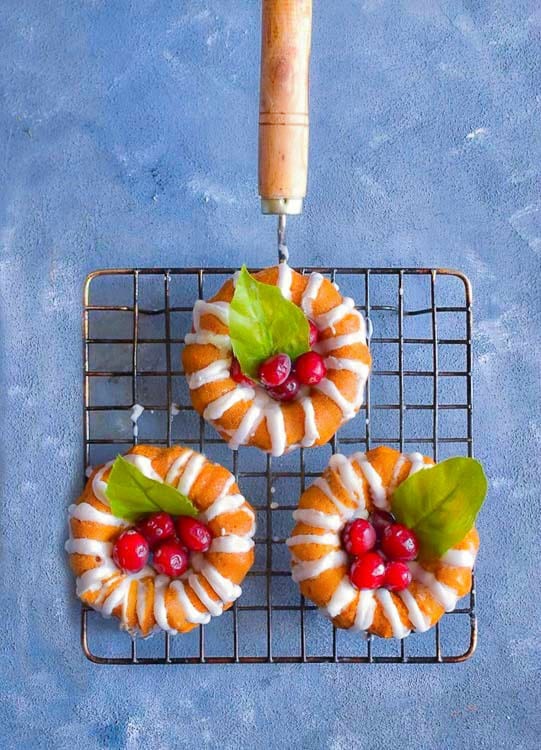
(214, 607)
(311, 432)
(317, 519)
(311, 292)
(99, 486)
(225, 589)
(420, 622)
(219, 340)
(366, 606)
(328, 319)
(217, 370)
(459, 558)
(417, 463)
(342, 363)
(119, 595)
(141, 603)
(401, 460)
(329, 389)
(225, 504)
(308, 569)
(172, 475)
(348, 476)
(330, 539)
(217, 408)
(231, 543)
(191, 613)
(190, 473)
(375, 484)
(161, 583)
(337, 342)
(392, 614)
(219, 310)
(345, 511)
(276, 428)
(285, 278)
(250, 422)
(86, 512)
(144, 465)
(135, 413)
(342, 597)
(91, 547)
(92, 579)
(444, 594)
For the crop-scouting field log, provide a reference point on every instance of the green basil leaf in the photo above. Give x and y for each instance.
(262, 322)
(441, 504)
(131, 494)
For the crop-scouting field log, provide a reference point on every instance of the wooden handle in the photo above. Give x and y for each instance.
(283, 105)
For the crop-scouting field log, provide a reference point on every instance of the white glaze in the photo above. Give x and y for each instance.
(93, 579)
(308, 569)
(276, 428)
(191, 613)
(342, 597)
(217, 370)
(225, 589)
(400, 461)
(366, 607)
(346, 511)
(214, 607)
(343, 363)
(190, 473)
(329, 389)
(459, 558)
(443, 594)
(392, 614)
(86, 512)
(318, 519)
(216, 409)
(417, 463)
(330, 539)
(311, 292)
(144, 465)
(219, 310)
(99, 486)
(348, 477)
(231, 543)
(375, 484)
(285, 278)
(91, 547)
(420, 622)
(141, 603)
(224, 504)
(337, 342)
(219, 340)
(173, 473)
(250, 421)
(335, 315)
(311, 432)
(161, 583)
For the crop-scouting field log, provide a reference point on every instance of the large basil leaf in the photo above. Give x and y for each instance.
(131, 494)
(441, 504)
(262, 322)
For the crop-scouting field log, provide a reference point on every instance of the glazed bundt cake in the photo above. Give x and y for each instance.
(178, 589)
(288, 405)
(342, 519)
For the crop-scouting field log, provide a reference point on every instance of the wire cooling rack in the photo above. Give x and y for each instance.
(419, 397)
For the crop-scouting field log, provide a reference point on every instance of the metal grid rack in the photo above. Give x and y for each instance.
(419, 397)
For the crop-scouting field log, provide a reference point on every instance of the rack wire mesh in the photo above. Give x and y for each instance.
(419, 397)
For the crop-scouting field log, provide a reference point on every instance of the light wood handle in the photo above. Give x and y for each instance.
(283, 105)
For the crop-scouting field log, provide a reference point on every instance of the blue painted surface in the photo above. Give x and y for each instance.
(129, 138)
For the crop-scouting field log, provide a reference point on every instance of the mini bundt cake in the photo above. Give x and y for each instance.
(416, 592)
(148, 599)
(332, 376)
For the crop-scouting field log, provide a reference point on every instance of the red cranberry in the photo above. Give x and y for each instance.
(130, 551)
(275, 370)
(380, 519)
(368, 571)
(399, 543)
(171, 558)
(237, 374)
(397, 576)
(358, 537)
(310, 368)
(314, 333)
(287, 391)
(156, 528)
(194, 534)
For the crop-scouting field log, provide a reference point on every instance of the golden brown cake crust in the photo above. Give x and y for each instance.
(311, 419)
(146, 601)
(363, 482)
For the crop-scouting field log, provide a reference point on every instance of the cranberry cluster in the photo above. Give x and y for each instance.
(170, 541)
(282, 378)
(380, 548)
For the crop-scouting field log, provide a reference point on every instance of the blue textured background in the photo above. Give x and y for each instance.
(128, 135)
